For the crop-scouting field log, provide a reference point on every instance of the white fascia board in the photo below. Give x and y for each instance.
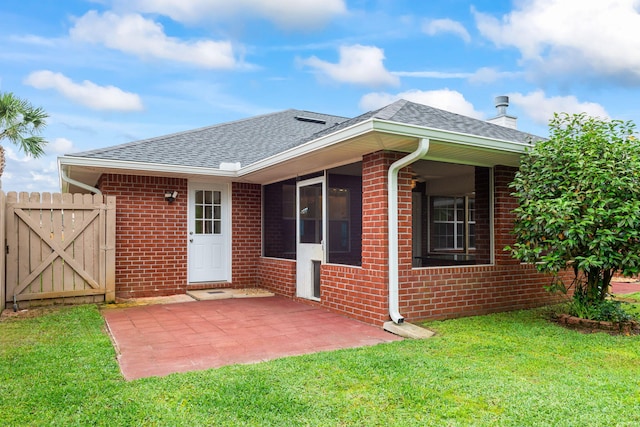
(451, 137)
(67, 161)
(391, 127)
(309, 147)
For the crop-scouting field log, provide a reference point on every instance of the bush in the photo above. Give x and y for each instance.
(607, 310)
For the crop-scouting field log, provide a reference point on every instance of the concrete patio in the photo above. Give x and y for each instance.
(160, 339)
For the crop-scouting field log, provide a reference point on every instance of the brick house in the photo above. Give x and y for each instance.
(311, 206)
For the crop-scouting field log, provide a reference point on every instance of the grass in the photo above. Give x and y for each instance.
(634, 296)
(508, 369)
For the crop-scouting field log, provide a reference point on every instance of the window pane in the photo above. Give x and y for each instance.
(217, 197)
(199, 197)
(208, 227)
(198, 227)
(311, 214)
(208, 212)
(217, 227)
(208, 197)
(217, 212)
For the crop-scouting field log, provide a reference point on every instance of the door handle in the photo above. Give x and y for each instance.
(191, 240)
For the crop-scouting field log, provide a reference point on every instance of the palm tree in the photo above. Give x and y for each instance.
(20, 124)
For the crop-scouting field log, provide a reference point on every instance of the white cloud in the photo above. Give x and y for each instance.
(432, 74)
(136, 35)
(571, 37)
(60, 146)
(299, 14)
(540, 108)
(481, 75)
(358, 64)
(490, 75)
(440, 26)
(33, 40)
(86, 93)
(444, 99)
(24, 173)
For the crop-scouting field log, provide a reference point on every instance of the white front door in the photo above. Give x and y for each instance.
(209, 233)
(310, 236)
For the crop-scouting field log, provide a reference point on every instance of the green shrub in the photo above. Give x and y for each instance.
(607, 310)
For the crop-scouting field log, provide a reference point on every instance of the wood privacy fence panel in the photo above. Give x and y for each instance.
(3, 214)
(60, 246)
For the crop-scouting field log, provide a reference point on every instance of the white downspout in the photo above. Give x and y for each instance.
(82, 185)
(392, 182)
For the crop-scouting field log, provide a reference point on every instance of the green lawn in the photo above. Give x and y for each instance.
(506, 369)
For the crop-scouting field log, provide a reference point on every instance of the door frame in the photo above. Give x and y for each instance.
(305, 289)
(225, 189)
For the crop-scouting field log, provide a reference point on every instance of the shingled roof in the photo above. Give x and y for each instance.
(249, 140)
(244, 141)
(411, 113)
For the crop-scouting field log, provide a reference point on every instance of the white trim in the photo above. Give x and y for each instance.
(450, 136)
(308, 293)
(142, 166)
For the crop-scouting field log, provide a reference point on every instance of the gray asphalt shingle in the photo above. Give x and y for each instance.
(245, 141)
(256, 138)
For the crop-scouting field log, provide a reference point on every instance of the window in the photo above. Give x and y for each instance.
(451, 225)
(208, 212)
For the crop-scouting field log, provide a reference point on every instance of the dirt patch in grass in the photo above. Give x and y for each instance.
(26, 313)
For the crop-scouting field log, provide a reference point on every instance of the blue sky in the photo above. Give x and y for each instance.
(113, 71)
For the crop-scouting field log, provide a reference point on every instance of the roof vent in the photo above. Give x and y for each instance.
(503, 119)
(310, 120)
(502, 102)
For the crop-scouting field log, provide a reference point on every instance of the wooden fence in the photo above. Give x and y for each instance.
(59, 248)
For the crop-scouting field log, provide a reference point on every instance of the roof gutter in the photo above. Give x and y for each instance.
(392, 182)
(71, 160)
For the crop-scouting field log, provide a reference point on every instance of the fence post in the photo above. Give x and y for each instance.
(3, 249)
(110, 253)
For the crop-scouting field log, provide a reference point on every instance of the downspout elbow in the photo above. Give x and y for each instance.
(392, 182)
(82, 185)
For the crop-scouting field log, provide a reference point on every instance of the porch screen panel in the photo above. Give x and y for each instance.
(279, 213)
(345, 216)
(455, 226)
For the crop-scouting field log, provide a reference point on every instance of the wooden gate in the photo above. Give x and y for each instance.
(60, 247)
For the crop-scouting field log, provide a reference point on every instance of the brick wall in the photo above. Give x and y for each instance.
(503, 222)
(246, 211)
(437, 293)
(151, 248)
(277, 275)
